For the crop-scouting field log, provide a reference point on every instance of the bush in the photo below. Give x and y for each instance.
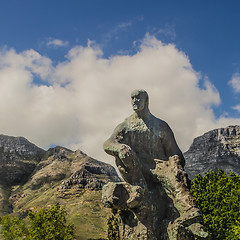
(218, 196)
(12, 228)
(46, 224)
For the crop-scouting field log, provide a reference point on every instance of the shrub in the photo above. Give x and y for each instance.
(12, 228)
(46, 224)
(218, 196)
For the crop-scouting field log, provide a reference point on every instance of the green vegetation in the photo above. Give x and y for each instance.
(216, 194)
(46, 224)
(218, 197)
(12, 228)
(84, 207)
(113, 226)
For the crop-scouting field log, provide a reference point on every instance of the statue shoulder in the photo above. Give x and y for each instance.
(122, 126)
(166, 126)
(161, 123)
(163, 127)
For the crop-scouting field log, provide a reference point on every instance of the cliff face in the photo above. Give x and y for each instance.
(18, 158)
(219, 148)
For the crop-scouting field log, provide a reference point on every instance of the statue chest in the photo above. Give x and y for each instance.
(145, 140)
(138, 129)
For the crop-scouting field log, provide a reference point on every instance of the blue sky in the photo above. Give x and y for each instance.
(205, 32)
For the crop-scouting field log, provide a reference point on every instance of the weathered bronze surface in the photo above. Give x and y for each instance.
(154, 200)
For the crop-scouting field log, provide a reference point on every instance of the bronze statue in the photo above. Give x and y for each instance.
(154, 200)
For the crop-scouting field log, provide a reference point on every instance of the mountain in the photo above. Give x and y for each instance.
(219, 148)
(58, 175)
(18, 158)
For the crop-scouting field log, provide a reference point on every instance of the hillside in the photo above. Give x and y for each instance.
(59, 175)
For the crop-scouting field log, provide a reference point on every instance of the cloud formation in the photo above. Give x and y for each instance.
(57, 43)
(237, 108)
(235, 84)
(87, 95)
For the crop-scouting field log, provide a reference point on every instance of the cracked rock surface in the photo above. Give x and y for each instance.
(219, 148)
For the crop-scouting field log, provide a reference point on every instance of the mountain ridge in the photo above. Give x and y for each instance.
(218, 148)
(32, 178)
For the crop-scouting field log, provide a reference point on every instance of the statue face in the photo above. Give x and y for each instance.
(138, 101)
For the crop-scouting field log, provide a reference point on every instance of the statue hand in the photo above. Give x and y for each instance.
(128, 156)
(125, 152)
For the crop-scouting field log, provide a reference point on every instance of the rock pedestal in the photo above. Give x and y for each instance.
(165, 210)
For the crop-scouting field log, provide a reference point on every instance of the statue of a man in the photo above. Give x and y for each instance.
(154, 199)
(140, 139)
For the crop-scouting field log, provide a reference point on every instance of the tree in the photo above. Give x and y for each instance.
(218, 197)
(236, 229)
(46, 224)
(12, 228)
(50, 224)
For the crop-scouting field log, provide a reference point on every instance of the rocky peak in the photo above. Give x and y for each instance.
(18, 158)
(76, 168)
(219, 148)
(19, 145)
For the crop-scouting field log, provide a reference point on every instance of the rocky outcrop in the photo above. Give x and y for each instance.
(219, 148)
(25, 168)
(22, 161)
(177, 217)
(76, 168)
(18, 159)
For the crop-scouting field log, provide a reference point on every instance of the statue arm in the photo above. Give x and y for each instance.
(116, 148)
(126, 159)
(113, 145)
(170, 145)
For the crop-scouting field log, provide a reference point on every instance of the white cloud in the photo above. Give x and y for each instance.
(124, 25)
(235, 82)
(89, 95)
(57, 43)
(115, 32)
(168, 31)
(237, 107)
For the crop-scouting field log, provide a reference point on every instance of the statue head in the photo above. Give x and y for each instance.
(139, 100)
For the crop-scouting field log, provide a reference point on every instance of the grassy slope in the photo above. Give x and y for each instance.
(84, 207)
(47, 186)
